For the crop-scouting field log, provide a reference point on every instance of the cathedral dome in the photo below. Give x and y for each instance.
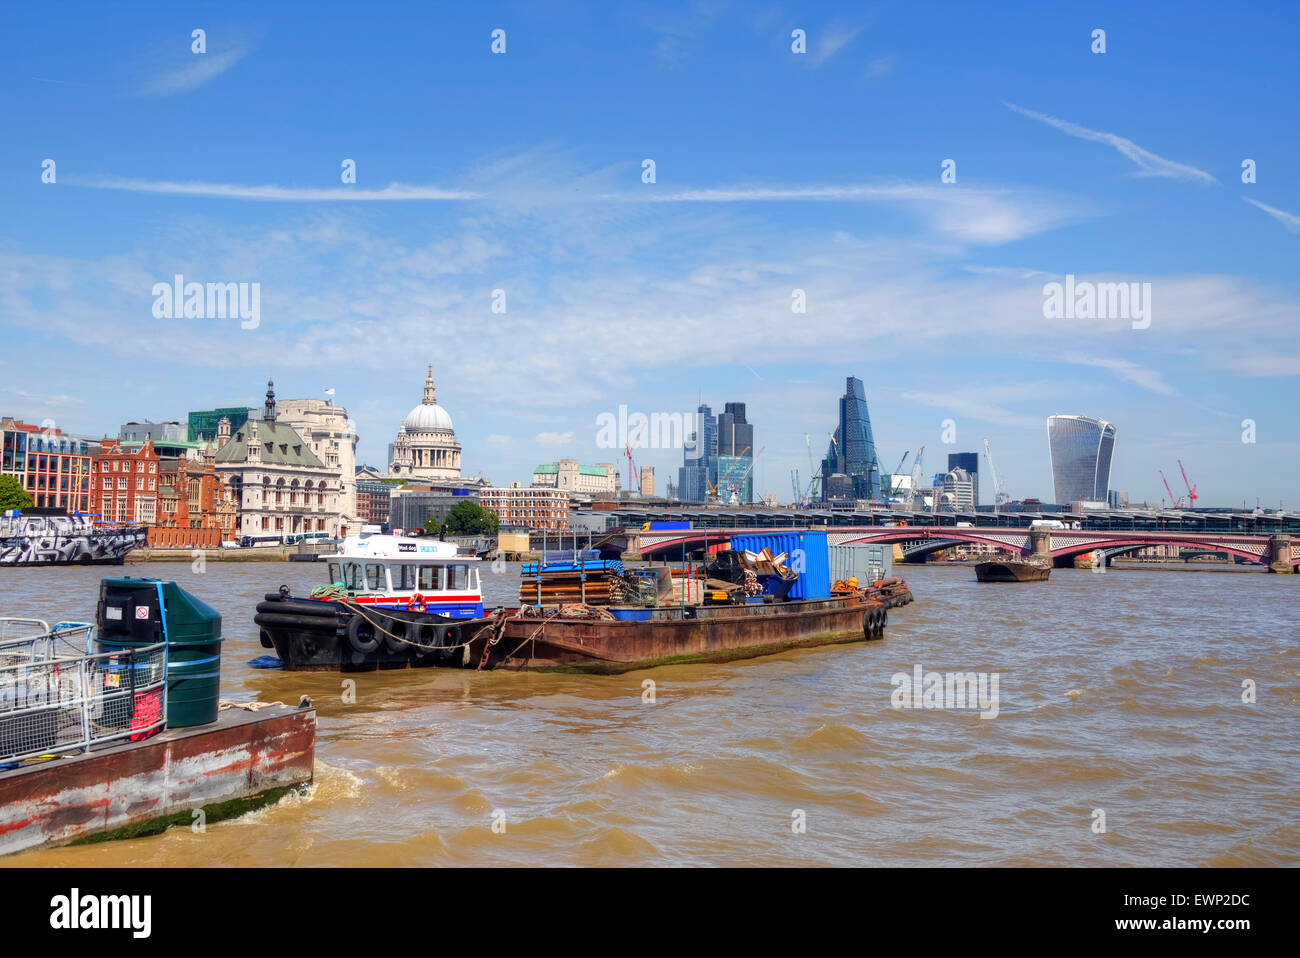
(428, 416)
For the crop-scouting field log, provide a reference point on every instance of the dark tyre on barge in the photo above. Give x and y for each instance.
(324, 635)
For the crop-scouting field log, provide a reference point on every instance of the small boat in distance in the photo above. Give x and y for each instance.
(1032, 569)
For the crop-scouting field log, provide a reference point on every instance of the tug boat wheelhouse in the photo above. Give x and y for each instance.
(391, 602)
(400, 572)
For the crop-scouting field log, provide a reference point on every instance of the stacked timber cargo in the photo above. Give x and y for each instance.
(571, 580)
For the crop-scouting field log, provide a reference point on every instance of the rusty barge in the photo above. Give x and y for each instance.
(589, 616)
(116, 728)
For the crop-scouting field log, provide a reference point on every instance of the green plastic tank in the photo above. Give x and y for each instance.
(192, 629)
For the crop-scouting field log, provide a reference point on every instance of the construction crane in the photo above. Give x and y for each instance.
(910, 494)
(813, 475)
(633, 475)
(1191, 489)
(1173, 502)
(999, 494)
(794, 485)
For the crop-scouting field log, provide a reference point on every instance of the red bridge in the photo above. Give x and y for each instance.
(1276, 551)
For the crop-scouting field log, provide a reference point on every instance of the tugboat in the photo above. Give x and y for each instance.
(391, 602)
(44, 536)
(1033, 569)
(398, 602)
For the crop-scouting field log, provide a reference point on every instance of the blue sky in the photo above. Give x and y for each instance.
(775, 171)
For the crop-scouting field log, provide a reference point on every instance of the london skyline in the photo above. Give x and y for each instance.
(775, 174)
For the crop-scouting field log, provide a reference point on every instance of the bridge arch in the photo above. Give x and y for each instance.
(923, 547)
(1115, 547)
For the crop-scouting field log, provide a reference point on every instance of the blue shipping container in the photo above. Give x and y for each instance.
(815, 579)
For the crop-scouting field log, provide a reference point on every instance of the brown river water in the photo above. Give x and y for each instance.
(1119, 692)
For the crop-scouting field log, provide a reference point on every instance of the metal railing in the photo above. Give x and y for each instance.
(56, 696)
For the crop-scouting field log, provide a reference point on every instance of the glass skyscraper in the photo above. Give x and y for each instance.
(850, 468)
(1081, 450)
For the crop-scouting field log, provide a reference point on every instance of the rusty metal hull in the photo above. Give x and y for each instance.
(242, 755)
(1012, 570)
(708, 633)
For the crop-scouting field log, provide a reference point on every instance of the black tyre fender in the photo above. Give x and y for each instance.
(884, 621)
(451, 636)
(397, 641)
(282, 620)
(869, 623)
(362, 636)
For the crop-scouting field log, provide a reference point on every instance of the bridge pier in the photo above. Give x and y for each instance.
(1040, 542)
(1279, 554)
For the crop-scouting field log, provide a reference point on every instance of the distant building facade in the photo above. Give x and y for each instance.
(332, 437)
(851, 469)
(411, 506)
(536, 507)
(278, 484)
(970, 462)
(569, 476)
(159, 432)
(373, 500)
(1081, 449)
(717, 465)
(959, 490)
(202, 423)
(195, 508)
(54, 469)
(647, 480)
(693, 478)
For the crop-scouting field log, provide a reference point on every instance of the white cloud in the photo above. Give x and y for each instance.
(880, 67)
(198, 70)
(970, 214)
(1148, 379)
(831, 41)
(554, 438)
(1289, 220)
(498, 441)
(394, 192)
(1147, 162)
(1265, 365)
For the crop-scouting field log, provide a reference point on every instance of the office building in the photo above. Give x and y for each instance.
(969, 461)
(959, 490)
(1081, 449)
(851, 469)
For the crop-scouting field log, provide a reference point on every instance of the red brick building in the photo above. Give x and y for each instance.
(195, 509)
(373, 500)
(124, 482)
(533, 508)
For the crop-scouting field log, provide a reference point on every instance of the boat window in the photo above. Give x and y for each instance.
(334, 573)
(408, 578)
(429, 577)
(352, 575)
(459, 577)
(374, 576)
